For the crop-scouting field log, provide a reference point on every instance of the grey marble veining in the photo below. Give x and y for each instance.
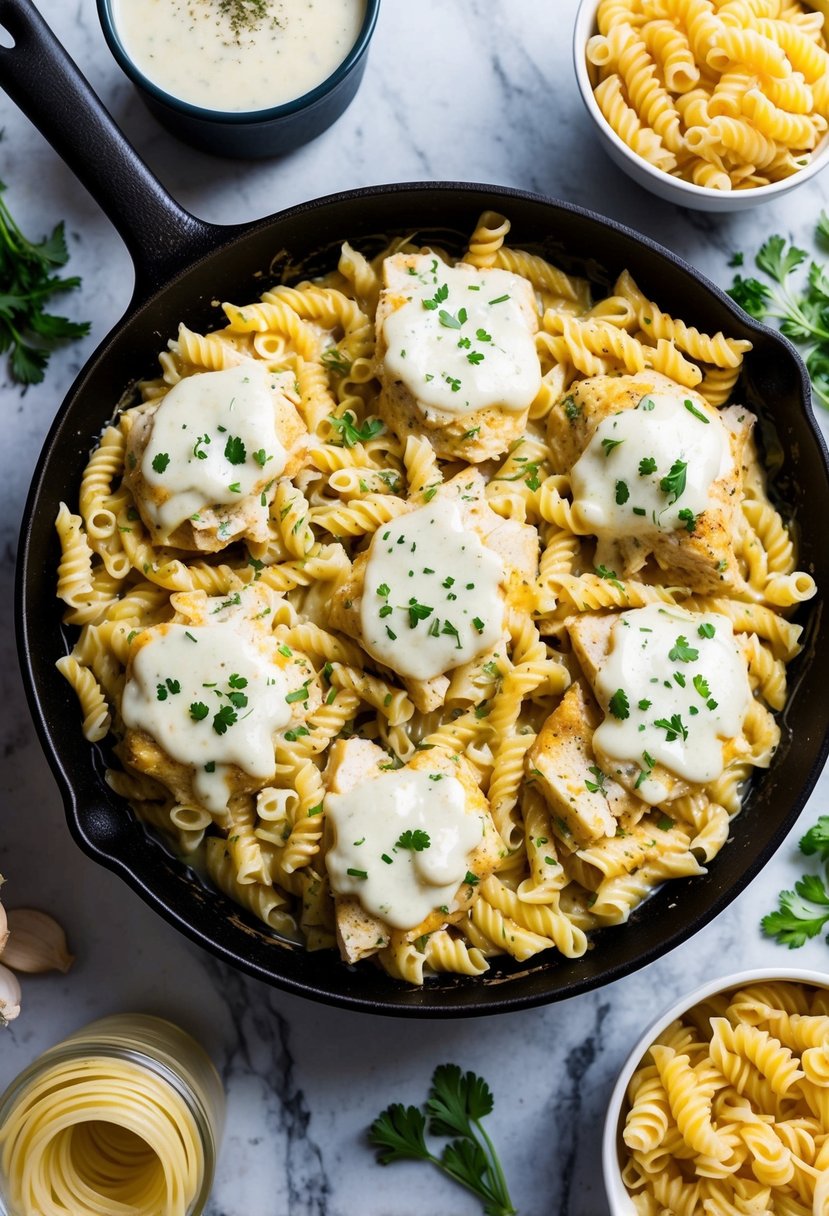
(473, 90)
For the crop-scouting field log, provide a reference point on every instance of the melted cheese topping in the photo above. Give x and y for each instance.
(214, 441)
(432, 597)
(461, 343)
(675, 685)
(210, 696)
(401, 878)
(195, 52)
(650, 468)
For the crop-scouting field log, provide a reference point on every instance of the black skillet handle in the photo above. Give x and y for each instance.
(39, 75)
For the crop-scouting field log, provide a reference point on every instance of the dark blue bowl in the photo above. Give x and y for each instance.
(253, 134)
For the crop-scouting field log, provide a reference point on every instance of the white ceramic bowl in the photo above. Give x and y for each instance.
(618, 1197)
(672, 189)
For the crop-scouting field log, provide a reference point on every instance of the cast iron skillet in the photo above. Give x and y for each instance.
(182, 264)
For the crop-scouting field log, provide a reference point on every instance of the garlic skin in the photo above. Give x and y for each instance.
(36, 943)
(4, 928)
(9, 996)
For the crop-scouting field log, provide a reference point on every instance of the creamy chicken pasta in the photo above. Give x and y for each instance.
(437, 611)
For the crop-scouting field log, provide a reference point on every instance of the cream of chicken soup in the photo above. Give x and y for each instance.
(237, 55)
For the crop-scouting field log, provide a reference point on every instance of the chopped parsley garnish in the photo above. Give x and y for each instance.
(235, 450)
(437, 299)
(673, 483)
(350, 433)
(261, 457)
(644, 704)
(225, 717)
(664, 823)
(701, 685)
(597, 786)
(619, 705)
(622, 493)
(450, 321)
(198, 448)
(706, 630)
(335, 361)
(571, 410)
(451, 631)
(413, 839)
(610, 444)
(647, 465)
(300, 694)
(673, 727)
(688, 518)
(417, 612)
(692, 409)
(478, 623)
(498, 300)
(681, 652)
(482, 335)
(357, 873)
(645, 773)
(160, 461)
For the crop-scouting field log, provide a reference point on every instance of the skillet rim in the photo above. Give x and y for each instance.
(419, 1002)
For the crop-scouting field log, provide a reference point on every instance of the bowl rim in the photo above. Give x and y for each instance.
(618, 1196)
(234, 118)
(582, 29)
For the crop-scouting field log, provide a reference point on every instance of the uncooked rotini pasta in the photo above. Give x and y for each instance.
(722, 1109)
(342, 605)
(725, 96)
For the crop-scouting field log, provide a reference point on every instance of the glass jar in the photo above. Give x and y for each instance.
(129, 1106)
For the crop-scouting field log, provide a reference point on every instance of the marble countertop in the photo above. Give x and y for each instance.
(477, 90)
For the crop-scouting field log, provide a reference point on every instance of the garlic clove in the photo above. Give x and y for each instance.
(4, 929)
(36, 942)
(9, 995)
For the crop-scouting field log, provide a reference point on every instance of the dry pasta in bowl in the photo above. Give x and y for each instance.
(724, 1106)
(720, 95)
(356, 581)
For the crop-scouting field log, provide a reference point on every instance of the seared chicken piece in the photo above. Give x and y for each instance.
(697, 552)
(356, 763)
(585, 800)
(479, 431)
(214, 479)
(514, 543)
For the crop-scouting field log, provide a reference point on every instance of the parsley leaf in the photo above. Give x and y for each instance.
(198, 711)
(619, 705)
(235, 451)
(225, 717)
(674, 728)
(681, 652)
(27, 275)
(674, 482)
(802, 913)
(456, 1105)
(622, 493)
(816, 839)
(647, 465)
(350, 433)
(160, 462)
(800, 308)
(413, 839)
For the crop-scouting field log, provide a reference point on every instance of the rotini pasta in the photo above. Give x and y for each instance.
(275, 578)
(726, 96)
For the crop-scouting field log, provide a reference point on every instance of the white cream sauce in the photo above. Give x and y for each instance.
(674, 686)
(461, 342)
(369, 857)
(190, 49)
(432, 594)
(210, 696)
(214, 441)
(650, 468)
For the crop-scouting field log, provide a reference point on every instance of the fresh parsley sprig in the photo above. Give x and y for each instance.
(456, 1105)
(27, 275)
(803, 912)
(802, 310)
